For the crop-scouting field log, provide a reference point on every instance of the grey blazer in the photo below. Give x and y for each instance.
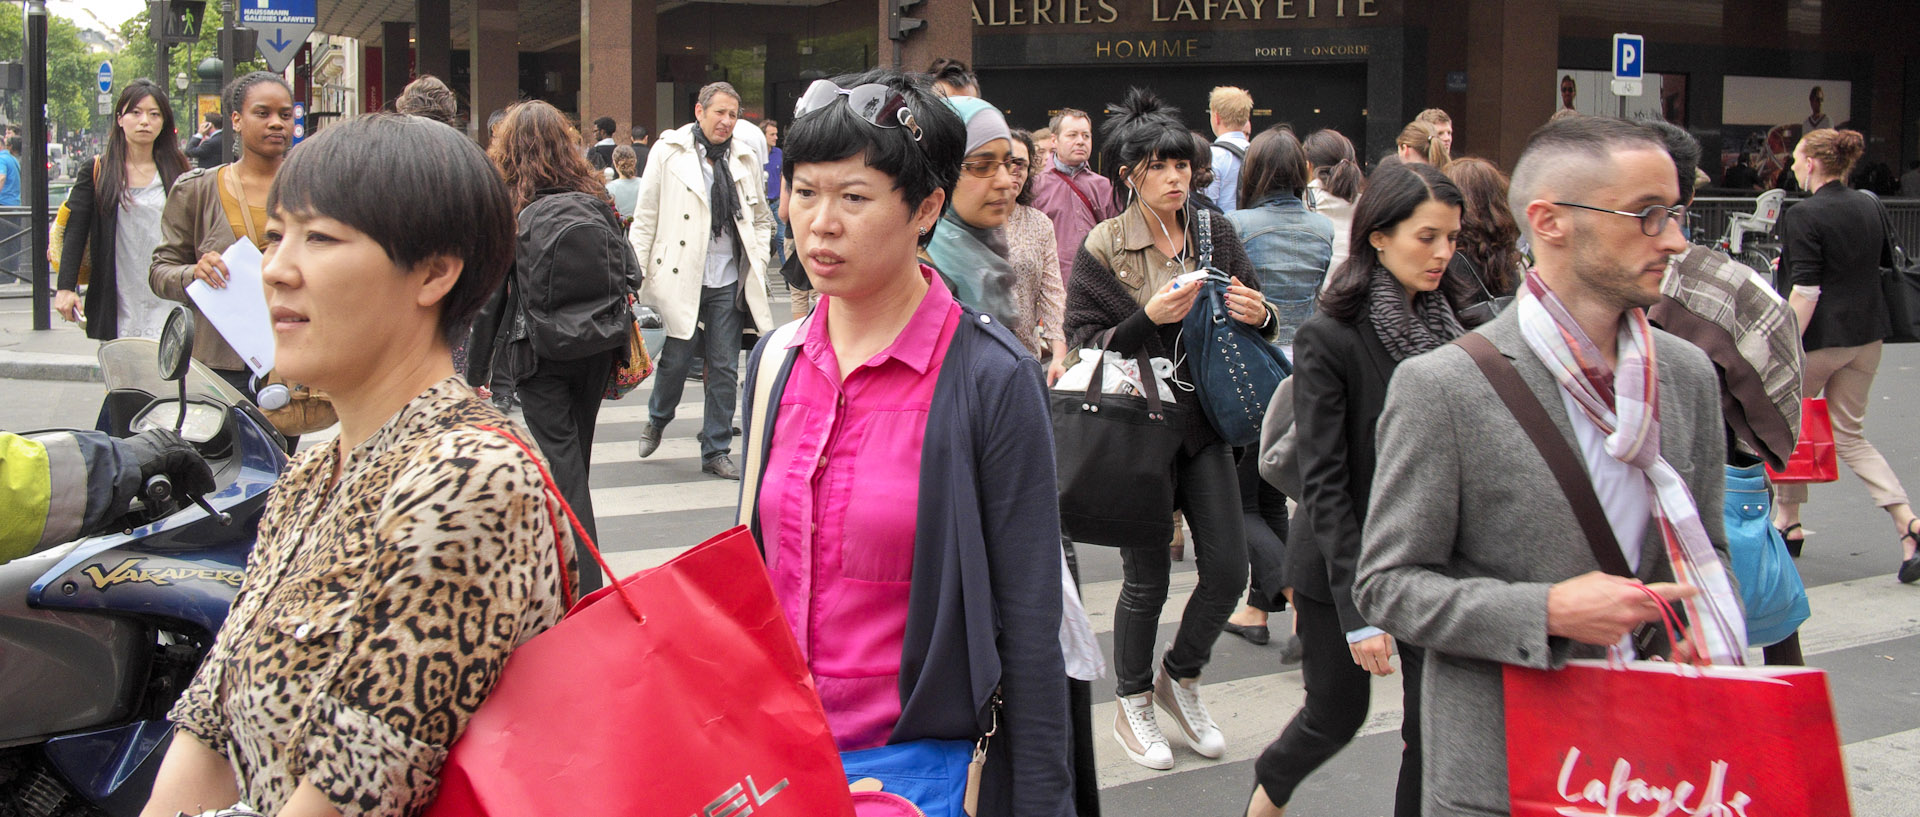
(1467, 529)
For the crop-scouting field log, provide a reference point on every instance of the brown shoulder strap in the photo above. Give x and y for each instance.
(1560, 457)
(1091, 210)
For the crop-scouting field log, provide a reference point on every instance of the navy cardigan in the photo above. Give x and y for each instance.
(984, 605)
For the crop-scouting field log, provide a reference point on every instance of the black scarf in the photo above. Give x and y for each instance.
(1408, 330)
(723, 205)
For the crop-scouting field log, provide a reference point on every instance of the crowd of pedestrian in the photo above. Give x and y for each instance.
(897, 450)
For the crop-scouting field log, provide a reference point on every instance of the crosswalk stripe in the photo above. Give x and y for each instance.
(1886, 763)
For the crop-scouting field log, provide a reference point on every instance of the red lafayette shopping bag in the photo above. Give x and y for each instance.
(1814, 458)
(701, 708)
(1656, 738)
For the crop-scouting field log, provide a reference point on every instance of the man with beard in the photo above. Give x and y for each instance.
(706, 271)
(1636, 412)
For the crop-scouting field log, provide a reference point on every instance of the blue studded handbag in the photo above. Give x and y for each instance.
(1234, 369)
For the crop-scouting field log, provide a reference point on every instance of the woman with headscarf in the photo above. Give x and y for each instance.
(968, 247)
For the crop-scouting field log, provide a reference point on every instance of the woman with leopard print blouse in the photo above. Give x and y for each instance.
(399, 566)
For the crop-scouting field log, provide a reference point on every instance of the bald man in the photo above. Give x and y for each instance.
(1514, 580)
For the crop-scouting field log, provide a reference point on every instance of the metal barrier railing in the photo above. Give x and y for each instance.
(1707, 219)
(16, 244)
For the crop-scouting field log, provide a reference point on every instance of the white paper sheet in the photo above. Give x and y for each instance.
(240, 310)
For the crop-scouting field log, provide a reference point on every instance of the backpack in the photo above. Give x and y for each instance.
(575, 273)
(1235, 370)
(1238, 151)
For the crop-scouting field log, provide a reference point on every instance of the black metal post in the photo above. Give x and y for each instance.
(34, 163)
(229, 23)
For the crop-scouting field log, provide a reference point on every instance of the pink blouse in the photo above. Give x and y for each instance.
(838, 505)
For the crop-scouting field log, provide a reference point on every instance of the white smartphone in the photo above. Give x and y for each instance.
(1193, 277)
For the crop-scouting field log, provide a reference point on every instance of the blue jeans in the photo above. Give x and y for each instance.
(718, 339)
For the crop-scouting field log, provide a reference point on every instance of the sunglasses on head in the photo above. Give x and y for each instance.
(880, 105)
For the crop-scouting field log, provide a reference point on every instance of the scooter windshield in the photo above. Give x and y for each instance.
(134, 363)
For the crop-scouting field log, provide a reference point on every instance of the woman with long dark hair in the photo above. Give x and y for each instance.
(1123, 280)
(1382, 307)
(114, 213)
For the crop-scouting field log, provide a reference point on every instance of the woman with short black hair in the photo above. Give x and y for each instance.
(905, 494)
(400, 564)
(1123, 282)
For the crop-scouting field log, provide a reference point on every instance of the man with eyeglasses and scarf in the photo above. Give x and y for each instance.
(700, 222)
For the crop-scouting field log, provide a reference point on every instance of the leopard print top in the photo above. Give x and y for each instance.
(377, 613)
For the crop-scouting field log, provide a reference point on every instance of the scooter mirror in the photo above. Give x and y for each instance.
(176, 344)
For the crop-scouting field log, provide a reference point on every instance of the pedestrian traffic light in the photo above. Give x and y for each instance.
(176, 21)
(898, 23)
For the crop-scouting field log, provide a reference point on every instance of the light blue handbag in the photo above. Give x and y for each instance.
(1770, 585)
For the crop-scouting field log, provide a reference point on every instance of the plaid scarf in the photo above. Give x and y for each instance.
(1624, 402)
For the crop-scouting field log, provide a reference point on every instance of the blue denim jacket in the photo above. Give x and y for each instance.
(1290, 247)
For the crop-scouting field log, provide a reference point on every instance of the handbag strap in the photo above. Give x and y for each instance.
(1149, 384)
(553, 493)
(772, 357)
(1091, 210)
(1204, 237)
(1475, 272)
(1560, 457)
(1896, 256)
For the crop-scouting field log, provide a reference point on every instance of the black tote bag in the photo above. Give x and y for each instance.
(1115, 456)
(1899, 284)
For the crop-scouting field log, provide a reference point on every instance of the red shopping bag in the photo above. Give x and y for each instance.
(1656, 738)
(683, 695)
(1814, 458)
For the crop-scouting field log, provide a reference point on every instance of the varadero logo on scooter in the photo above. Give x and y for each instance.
(129, 570)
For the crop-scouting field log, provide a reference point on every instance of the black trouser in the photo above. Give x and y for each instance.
(1207, 489)
(1338, 693)
(561, 402)
(1086, 783)
(1265, 512)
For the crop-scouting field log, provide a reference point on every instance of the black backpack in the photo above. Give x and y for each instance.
(575, 272)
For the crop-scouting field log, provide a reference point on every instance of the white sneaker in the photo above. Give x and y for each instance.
(1181, 700)
(1139, 733)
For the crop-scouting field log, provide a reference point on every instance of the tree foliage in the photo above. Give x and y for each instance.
(137, 58)
(70, 72)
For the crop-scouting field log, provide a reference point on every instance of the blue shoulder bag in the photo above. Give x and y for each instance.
(939, 778)
(1235, 370)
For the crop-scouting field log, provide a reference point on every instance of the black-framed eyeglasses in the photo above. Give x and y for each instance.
(879, 105)
(986, 168)
(1653, 219)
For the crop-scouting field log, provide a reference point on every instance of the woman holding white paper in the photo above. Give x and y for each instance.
(210, 209)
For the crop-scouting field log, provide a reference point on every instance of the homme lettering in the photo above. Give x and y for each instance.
(1621, 785)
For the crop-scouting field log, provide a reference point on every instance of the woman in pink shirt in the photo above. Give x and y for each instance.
(904, 491)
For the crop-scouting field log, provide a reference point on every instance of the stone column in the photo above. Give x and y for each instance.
(395, 54)
(493, 54)
(1513, 50)
(433, 38)
(618, 62)
(948, 33)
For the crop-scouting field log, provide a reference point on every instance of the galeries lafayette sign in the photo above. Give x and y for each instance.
(1001, 14)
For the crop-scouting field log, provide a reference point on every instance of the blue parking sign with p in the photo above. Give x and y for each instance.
(1629, 56)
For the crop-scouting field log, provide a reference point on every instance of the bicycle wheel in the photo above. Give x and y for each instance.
(1763, 262)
